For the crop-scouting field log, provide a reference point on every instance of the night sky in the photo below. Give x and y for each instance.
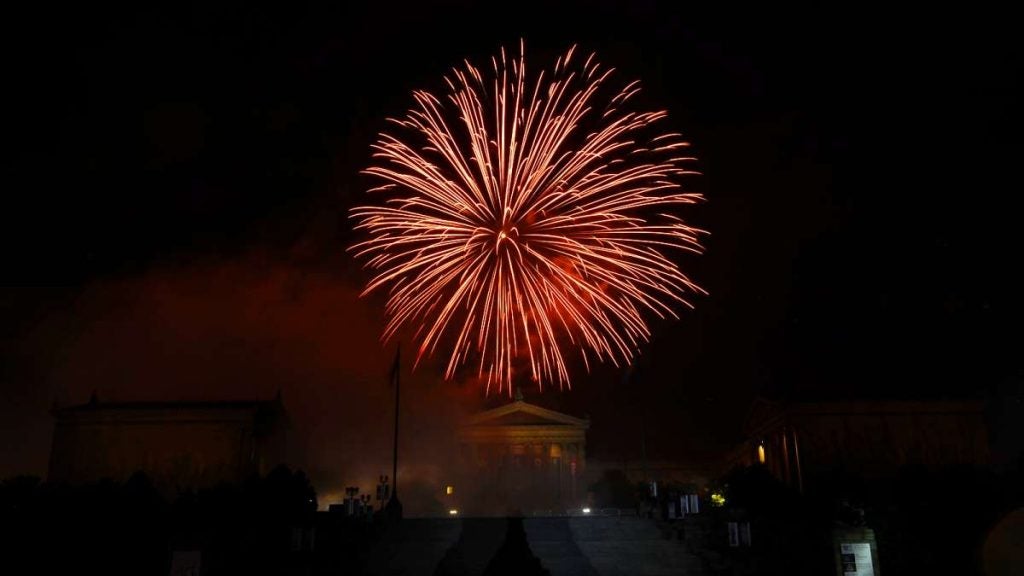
(175, 211)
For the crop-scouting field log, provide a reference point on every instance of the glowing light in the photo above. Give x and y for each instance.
(586, 510)
(449, 490)
(527, 217)
(453, 512)
(760, 453)
(717, 499)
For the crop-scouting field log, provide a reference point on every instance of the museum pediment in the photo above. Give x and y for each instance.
(524, 414)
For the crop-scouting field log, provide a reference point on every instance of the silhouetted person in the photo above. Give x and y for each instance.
(515, 558)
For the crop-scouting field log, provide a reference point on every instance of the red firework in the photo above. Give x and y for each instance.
(527, 219)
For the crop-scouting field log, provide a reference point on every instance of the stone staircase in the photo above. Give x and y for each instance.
(552, 541)
(565, 546)
(414, 547)
(608, 546)
(475, 548)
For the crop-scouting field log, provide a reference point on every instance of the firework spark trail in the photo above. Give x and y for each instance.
(519, 231)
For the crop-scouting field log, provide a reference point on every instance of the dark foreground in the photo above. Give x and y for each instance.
(959, 522)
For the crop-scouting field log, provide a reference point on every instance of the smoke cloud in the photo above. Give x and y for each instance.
(246, 328)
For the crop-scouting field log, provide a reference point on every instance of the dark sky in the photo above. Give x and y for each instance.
(174, 212)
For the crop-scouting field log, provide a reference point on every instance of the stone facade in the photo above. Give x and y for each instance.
(179, 445)
(800, 441)
(522, 457)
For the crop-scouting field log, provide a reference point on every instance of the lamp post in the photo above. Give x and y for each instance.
(351, 496)
(365, 510)
(383, 490)
(394, 507)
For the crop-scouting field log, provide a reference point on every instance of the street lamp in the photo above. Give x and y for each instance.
(383, 490)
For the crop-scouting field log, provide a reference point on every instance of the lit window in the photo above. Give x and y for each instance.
(760, 453)
(449, 490)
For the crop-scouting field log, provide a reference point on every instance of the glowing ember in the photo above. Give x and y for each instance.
(527, 219)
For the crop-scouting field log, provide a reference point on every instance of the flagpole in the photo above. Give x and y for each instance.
(394, 507)
(394, 455)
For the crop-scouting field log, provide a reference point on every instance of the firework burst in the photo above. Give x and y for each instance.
(528, 219)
